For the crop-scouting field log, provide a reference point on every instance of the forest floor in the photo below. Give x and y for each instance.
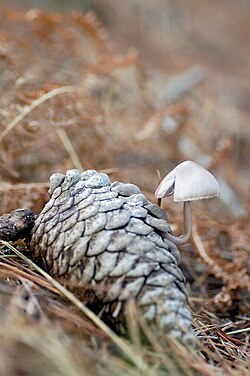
(141, 88)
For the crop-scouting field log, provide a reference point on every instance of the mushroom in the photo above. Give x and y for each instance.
(189, 182)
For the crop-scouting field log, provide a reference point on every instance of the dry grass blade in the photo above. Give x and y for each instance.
(7, 187)
(200, 247)
(70, 149)
(120, 343)
(12, 271)
(37, 102)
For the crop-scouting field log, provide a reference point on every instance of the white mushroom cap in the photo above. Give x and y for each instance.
(189, 182)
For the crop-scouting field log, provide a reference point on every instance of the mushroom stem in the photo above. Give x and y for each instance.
(187, 226)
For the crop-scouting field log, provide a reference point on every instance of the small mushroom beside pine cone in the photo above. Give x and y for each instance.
(114, 246)
(108, 238)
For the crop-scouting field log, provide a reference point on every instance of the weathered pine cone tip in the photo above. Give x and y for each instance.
(109, 238)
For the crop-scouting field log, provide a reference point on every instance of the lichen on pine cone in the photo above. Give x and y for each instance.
(109, 238)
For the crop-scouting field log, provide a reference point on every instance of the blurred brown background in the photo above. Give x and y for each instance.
(193, 53)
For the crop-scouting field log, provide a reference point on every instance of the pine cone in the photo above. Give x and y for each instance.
(108, 238)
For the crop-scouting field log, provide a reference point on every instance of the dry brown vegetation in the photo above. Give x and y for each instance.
(70, 99)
